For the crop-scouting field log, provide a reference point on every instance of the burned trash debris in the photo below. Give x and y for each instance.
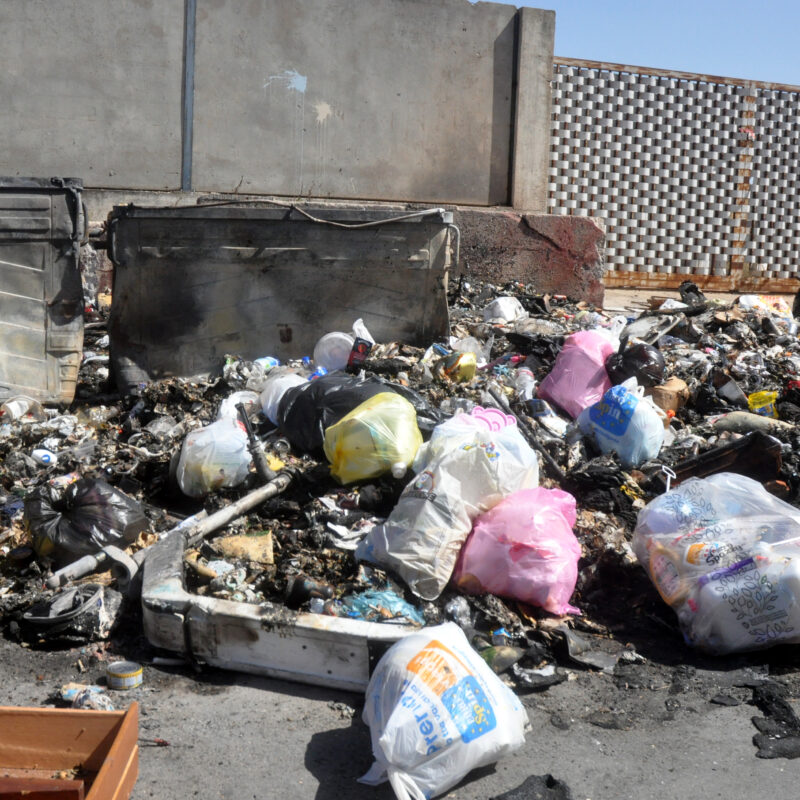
(526, 477)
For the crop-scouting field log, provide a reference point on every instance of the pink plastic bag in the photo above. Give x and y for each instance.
(578, 378)
(524, 548)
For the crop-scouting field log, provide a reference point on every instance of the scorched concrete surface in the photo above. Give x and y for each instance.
(648, 732)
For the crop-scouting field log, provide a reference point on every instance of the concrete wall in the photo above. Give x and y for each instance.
(92, 90)
(398, 100)
(391, 99)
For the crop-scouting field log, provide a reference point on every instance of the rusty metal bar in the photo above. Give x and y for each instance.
(737, 283)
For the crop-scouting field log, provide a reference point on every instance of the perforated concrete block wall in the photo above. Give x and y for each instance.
(691, 175)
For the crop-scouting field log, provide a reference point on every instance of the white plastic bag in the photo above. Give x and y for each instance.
(462, 471)
(213, 457)
(504, 309)
(725, 554)
(625, 422)
(279, 381)
(436, 711)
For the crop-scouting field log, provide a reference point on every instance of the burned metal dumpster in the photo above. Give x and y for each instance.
(192, 284)
(42, 223)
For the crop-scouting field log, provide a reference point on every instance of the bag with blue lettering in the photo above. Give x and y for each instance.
(625, 422)
(436, 711)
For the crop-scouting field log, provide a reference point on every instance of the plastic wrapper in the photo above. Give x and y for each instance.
(305, 411)
(381, 606)
(641, 361)
(376, 437)
(625, 422)
(579, 378)
(524, 548)
(464, 470)
(764, 403)
(81, 518)
(725, 554)
(214, 457)
(436, 711)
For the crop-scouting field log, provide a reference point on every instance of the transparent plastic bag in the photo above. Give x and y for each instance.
(463, 470)
(436, 711)
(625, 422)
(214, 457)
(250, 400)
(376, 437)
(524, 548)
(578, 378)
(725, 555)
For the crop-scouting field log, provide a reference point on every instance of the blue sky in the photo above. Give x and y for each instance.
(738, 39)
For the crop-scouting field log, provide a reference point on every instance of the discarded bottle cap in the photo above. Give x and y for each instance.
(124, 675)
(399, 469)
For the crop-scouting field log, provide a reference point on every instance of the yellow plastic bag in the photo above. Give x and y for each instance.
(374, 438)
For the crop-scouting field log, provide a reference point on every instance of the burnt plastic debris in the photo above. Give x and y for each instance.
(86, 613)
(82, 518)
(538, 787)
(779, 729)
(641, 361)
(755, 455)
(691, 294)
(301, 589)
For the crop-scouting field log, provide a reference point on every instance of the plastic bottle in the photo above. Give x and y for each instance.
(524, 383)
(23, 408)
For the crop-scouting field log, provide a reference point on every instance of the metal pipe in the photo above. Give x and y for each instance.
(219, 519)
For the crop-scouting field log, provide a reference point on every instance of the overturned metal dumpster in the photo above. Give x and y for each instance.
(192, 284)
(261, 639)
(42, 223)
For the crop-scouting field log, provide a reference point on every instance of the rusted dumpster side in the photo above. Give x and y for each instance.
(192, 284)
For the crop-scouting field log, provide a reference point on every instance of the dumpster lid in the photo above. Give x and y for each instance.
(13, 182)
(264, 210)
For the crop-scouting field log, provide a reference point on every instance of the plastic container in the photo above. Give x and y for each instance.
(22, 408)
(525, 384)
(332, 351)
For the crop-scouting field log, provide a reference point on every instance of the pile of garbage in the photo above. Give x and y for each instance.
(512, 493)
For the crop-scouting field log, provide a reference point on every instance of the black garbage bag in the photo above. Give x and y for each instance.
(306, 411)
(81, 519)
(641, 361)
